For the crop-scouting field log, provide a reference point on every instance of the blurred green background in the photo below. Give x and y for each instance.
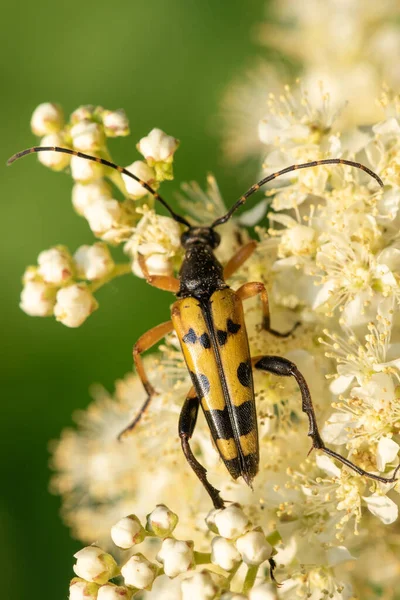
(167, 64)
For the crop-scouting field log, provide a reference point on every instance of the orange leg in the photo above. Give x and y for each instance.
(249, 290)
(146, 341)
(163, 282)
(239, 258)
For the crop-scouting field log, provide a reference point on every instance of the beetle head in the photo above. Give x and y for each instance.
(200, 235)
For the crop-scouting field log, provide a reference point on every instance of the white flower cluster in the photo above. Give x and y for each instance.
(348, 45)
(62, 285)
(52, 287)
(237, 543)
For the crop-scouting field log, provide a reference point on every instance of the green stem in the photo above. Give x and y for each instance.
(121, 269)
(233, 572)
(250, 578)
(202, 558)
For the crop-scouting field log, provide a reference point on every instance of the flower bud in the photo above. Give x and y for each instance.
(47, 118)
(176, 556)
(139, 573)
(253, 547)
(199, 586)
(93, 564)
(38, 299)
(233, 596)
(87, 137)
(210, 520)
(142, 170)
(161, 521)
(224, 554)
(127, 532)
(85, 194)
(103, 214)
(82, 113)
(84, 170)
(157, 264)
(263, 591)
(55, 265)
(74, 304)
(110, 591)
(115, 123)
(79, 589)
(93, 262)
(158, 147)
(54, 160)
(231, 521)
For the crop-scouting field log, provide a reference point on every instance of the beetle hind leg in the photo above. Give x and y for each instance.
(285, 368)
(187, 422)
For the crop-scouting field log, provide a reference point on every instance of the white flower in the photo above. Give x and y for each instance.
(127, 532)
(74, 305)
(263, 591)
(231, 521)
(157, 146)
(176, 556)
(87, 137)
(157, 239)
(386, 452)
(110, 591)
(55, 265)
(161, 521)
(93, 262)
(103, 214)
(85, 194)
(54, 160)
(142, 171)
(199, 586)
(382, 507)
(93, 564)
(234, 596)
(85, 171)
(79, 589)
(224, 554)
(115, 123)
(253, 547)
(38, 299)
(138, 572)
(47, 118)
(83, 113)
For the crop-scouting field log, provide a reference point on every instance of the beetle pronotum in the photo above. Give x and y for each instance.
(208, 319)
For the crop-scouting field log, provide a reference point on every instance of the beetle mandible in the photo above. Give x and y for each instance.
(209, 322)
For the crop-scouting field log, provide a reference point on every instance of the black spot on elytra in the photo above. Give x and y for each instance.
(232, 327)
(244, 374)
(190, 337)
(205, 340)
(222, 336)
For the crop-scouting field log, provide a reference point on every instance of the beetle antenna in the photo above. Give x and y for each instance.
(315, 163)
(105, 162)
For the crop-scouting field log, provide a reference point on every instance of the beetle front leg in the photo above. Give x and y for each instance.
(285, 368)
(249, 290)
(187, 422)
(146, 341)
(162, 282)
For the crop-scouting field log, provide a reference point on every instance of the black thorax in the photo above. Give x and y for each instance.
(201, 273)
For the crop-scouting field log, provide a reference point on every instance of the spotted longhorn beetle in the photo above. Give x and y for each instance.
(209, 322)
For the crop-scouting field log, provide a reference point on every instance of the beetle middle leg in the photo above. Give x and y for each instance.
(249, 290)
(283, 367)
(146, 341)
(187, 422)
